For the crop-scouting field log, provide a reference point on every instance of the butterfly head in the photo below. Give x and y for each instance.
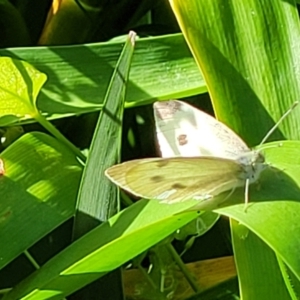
(253, 163)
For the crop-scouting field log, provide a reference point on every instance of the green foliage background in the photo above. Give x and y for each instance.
(248, 55)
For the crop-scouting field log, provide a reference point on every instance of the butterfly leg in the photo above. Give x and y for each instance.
(231, 192)
(246, 194)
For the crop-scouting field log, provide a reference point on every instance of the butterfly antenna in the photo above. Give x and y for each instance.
(279, 122)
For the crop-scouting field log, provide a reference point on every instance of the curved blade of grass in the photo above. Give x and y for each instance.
(142, 225)
(250, 64)
(162, 68)
(105, 248)
(273, 218)
(39, 186)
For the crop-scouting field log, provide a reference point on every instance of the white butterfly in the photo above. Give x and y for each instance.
(211, 158)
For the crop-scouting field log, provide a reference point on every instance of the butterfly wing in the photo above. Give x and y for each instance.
(183, 130)
(178, 178)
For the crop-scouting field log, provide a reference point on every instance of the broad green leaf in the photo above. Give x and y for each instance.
(162, 68)
(115, 242)
(250, 64)
(39, 187)
(19, 88)
(20, 84)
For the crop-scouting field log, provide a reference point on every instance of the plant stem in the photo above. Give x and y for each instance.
(31, 259)
(56, 133)
(183, 268)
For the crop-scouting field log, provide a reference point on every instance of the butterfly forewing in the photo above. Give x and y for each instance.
(177, 179)
(183, 130)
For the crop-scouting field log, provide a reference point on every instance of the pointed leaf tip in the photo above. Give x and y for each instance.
(132, 37)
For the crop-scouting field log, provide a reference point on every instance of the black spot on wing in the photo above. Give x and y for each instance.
(157, 178)
(179, 186)
(182, 139)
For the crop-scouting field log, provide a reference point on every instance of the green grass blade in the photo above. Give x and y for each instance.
(98, 197)
(162, 68)
(259, 275)
(104, 249)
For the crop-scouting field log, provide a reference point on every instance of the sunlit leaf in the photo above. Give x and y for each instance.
(20, 84)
